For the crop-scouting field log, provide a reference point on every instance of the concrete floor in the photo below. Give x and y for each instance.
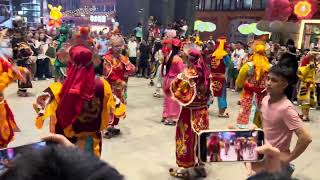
(146, 148)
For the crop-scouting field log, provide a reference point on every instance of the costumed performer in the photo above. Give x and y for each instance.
(252, 79)
(83, 103)
(220, 61)
(191, 90)
(116, 70)
(8, 74)
(307, 87)
(171, 67)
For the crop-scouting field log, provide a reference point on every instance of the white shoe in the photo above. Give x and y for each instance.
(156, 95)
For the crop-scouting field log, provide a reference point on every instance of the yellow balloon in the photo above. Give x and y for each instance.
(55, 12)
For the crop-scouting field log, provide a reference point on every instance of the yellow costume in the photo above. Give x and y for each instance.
(7, 123)
(307, 75)
(86, 131)
(252, 79)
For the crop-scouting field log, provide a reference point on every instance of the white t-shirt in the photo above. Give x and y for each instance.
(132, 47)
(184, 30)
(237, 57)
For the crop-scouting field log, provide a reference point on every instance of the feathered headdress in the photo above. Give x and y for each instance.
(259, 59)
(220, 51)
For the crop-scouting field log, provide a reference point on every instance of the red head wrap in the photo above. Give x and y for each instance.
(176, 42)
(78, 86)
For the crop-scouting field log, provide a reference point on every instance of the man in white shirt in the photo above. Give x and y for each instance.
(102, 45)
(183, 28)
(102, 42)
(133, 47)
(237, 60)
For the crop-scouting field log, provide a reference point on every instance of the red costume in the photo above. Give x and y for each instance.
(191, 90)
(116, 69)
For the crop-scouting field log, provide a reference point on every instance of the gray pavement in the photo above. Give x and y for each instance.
(146, 148)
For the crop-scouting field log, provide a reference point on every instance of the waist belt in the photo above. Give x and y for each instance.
(197, 105)
(218, 75)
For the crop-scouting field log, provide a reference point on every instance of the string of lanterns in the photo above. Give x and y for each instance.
(80, 11)
(84, 12)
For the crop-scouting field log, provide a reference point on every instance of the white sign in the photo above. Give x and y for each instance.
(99, 19)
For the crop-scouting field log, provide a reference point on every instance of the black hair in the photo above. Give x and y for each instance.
(175, 51)
(269, 176)
(282, 71)
(57, 162)
(239, 42)
(287, 74)
(290, 42)
(157, 47)
(306, 50)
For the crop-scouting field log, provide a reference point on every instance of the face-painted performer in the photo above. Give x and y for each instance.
(117, 68)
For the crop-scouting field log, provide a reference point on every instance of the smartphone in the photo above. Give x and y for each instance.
(230, 145)
(8, 155)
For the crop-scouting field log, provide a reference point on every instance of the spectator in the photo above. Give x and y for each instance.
(281, 120)
(237, 60)
(145, 51)
(138, 32)
(183, 28)
(102, 46)
(133, 47)
(43, 62)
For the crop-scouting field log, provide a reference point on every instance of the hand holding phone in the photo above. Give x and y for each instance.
(8, 155)
(230, 146)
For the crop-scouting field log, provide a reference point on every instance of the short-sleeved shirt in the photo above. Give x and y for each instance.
(132, 46)
(237, 57)
(280, 119)
(104, 46)
(138, 31)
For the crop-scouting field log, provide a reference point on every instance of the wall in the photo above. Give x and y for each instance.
(128, 14)
(97, 2)
(222, 19)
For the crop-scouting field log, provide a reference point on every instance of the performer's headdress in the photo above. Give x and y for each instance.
(220, 51)
(117, 38)
(79, 84)
(198, 41)
(259, 59)
(197, 61)
(24, 50)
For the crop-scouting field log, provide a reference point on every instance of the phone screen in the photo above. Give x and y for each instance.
(8, 155)
(230, 146)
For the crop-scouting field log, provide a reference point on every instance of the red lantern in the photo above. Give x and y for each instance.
(305, 9)
(278, 10)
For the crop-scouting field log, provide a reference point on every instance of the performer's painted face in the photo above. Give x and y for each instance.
(117, 47)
